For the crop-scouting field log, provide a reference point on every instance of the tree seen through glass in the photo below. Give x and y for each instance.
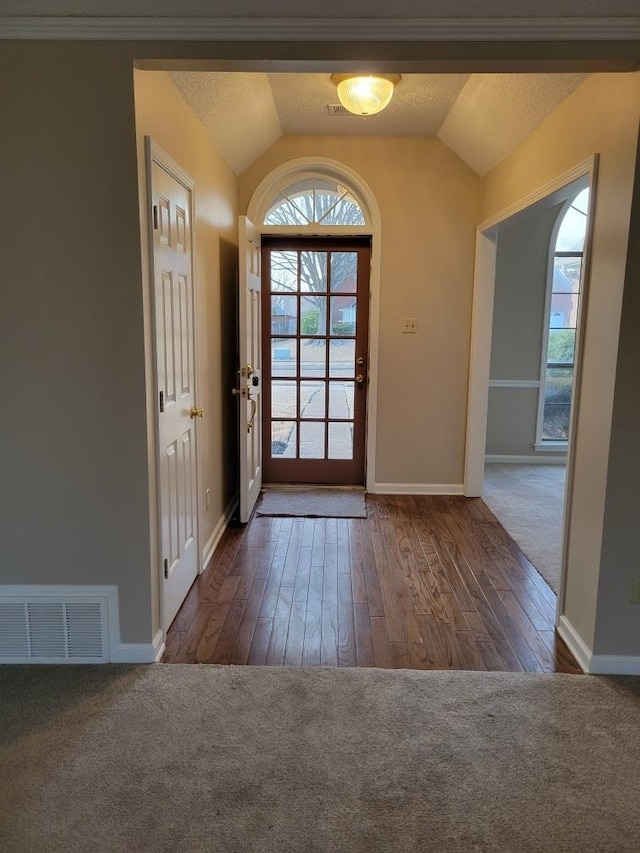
(563, 318)
(313, 325)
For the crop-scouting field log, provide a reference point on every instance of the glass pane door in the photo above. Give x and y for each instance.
(315, 295)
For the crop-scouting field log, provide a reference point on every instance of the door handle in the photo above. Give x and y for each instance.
(360, 379)
(254, 408)
(196, 412)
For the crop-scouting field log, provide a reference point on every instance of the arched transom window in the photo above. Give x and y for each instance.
(315, 200)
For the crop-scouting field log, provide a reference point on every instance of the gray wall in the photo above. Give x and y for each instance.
(74, 494)
(618, 620)
(518, 323)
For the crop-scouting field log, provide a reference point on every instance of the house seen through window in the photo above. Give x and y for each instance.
(559, 361)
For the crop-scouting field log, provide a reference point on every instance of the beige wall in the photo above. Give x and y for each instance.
(600, 117)
(428, 201)
(162, 114)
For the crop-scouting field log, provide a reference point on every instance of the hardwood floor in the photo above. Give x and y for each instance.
(423, 582)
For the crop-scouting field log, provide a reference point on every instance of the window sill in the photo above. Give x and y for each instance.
(552, 447)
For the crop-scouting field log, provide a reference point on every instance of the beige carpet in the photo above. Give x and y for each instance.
(313, 502)
(242, 759)
(528, 502)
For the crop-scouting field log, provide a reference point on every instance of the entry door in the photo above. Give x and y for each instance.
(314, 330)
(175, 357)
(249, 372)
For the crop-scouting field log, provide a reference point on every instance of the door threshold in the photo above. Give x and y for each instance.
(309, 486)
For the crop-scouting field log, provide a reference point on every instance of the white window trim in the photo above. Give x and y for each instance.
(314, 230)
(308, 169)
(551, 447)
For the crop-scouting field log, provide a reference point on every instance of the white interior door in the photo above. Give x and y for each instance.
(249, 373)
(177, 415)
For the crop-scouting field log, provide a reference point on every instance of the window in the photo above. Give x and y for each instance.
(558, 367)
(315, 200)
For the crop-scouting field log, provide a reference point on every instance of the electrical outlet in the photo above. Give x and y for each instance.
(635, 591)
(410, 325)
(207, 498)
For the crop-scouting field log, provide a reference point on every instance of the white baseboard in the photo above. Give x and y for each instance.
(417, 489)
(139, 652)
(596, 664)
(159, 645)
(556, 459)
(216, 535)
(577, 646)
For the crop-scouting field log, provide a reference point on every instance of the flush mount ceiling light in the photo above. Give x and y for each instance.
(365, 94)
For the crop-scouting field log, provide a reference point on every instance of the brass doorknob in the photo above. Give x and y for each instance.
(359, 379)
(196, 412)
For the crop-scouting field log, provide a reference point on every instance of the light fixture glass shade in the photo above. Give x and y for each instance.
(365, 95)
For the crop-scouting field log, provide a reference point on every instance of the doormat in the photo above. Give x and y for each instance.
(313, 503)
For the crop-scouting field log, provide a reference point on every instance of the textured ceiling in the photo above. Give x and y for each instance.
(238, 110)
(419, 105)
(494, 112)
(481, 117)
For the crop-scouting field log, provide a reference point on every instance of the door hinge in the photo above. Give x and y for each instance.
(162, 401)
(166, 569)
(155, 217)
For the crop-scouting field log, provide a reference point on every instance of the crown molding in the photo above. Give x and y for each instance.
(321, 29)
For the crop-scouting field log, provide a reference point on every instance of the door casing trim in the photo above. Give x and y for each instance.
(482, 330)
(290, 470)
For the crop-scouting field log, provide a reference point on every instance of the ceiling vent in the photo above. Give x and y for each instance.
(338, 110)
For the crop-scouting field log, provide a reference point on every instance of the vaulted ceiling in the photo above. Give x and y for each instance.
(481, 117)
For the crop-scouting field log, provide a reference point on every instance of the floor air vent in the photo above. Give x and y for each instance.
(48, 631)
